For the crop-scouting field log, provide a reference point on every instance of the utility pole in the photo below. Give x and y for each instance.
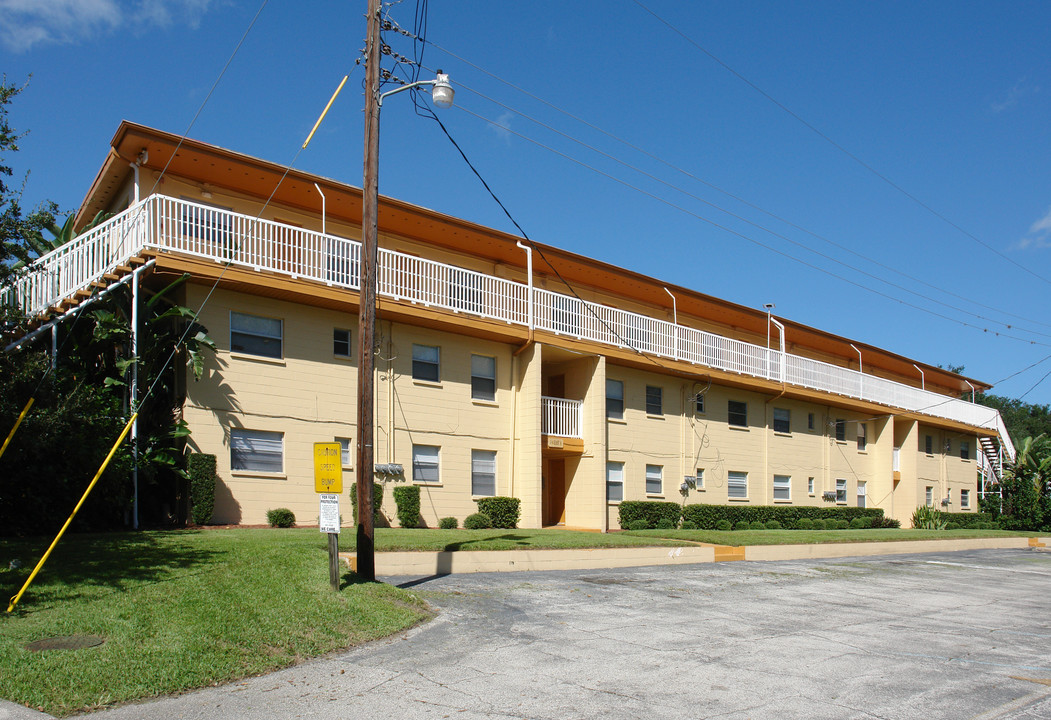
(366, 547)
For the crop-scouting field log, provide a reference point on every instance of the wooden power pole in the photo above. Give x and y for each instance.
(366, 548)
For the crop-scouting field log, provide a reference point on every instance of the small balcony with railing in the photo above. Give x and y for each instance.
(560, 424)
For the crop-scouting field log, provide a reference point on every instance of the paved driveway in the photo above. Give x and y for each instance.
(956, 635)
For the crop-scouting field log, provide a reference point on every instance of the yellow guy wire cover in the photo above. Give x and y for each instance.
(324, 112)
(17, 423)
(102, 469)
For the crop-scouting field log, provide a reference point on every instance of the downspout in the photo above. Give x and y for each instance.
(529, 272)
(322, 208)
(391, 450)
(923, 381)
(781, 330)
(861, 373)
(675, 321)
(972, 391)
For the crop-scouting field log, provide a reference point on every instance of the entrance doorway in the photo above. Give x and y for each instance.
(553, 504)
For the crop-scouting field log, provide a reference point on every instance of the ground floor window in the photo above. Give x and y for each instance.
(700, 478)
(929, 496)
(782, 487)
(483, 472)
(425, 463)
(737, 484)
(256, 450)
(654, 479)
(614, 481)
(861, 494)
(810, 485)
(841, 491)
(965, 499)
(344, 452)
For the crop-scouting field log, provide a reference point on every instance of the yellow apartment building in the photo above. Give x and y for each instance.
(493, 376)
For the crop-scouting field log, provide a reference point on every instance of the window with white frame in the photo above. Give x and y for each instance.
(483, 377)
(483, 472)
(841, 490)
(698, 406)
(965, 499)
(841, 430)
(700, 478)
(782, 487)
(426, 363)
(654, 477)
(736, 484)
(861, 494)
(614, 481)
(614, 399)
(344, 452)
(654, 400)
(425, 463)
(862, 437)
(929, 496)
(782, 420)
(737, 413)
(257, 451)
(255, 335)
(810, 485)
(341, 342)
(965, 450)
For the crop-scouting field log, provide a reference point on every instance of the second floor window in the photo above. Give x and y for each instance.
(483, 377)
(737, 413)
(426, 363)
(654, 404)
(615, 399)
(255, 335)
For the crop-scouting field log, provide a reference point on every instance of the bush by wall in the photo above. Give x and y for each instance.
(377, 503)
(448, 523)
(967, 519)
(477, 521)
(407, 498)
(502, 511)
(707, 517)
(650, 512)
(201, 468)
(281, 518)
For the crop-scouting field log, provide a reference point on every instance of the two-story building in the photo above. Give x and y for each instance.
(502, 367)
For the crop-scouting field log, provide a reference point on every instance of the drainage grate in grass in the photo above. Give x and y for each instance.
(68, 642)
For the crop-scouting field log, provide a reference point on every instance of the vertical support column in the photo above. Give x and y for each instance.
(134, 396)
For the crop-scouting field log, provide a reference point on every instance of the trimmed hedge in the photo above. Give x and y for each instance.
(281, 518)
(477, 521)
(504, 512)
(651, 512)
(407, 498)
(967, 520)
(707, 517)
(201, 468)
(448, 523)
(377, 503)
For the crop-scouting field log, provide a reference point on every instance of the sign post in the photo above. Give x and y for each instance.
(328, 483)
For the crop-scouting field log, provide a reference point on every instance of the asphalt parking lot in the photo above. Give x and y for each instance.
(952, 635)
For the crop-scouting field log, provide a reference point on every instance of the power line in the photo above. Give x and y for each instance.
(750, 222)
(839, 147)
(731, 195)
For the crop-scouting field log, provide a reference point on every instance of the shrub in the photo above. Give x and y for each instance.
(804, 524)
(687, 525)
(952, 526)
(407, 499)
(201, 468)
(377, 502)
(281, 518)
(477, 521)
(665, 524)
(966, 519)
(637, 525)
(502, 511)
(818, 524)
(927, 518)
(757, 526)
(860, 523)
(707, 516)
(743, 526)
(448, 523)
(773, 525)
(721, 525)
(885, 522)
(841, 524)
(649, 511)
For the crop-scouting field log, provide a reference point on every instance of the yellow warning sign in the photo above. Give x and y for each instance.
(328, 468)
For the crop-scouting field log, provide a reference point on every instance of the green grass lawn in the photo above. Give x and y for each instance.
(179, 610)
(452, 540)
(807, 537)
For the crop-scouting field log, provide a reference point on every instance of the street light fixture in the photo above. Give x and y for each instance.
(442, 96)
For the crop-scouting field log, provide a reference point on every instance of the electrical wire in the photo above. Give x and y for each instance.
(725, 192)
(756, 225)
(839, 147)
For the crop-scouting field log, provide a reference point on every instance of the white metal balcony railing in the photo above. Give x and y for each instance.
(560, 417)
(168, 224)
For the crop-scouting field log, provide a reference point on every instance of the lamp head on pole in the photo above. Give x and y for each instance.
(442, 92)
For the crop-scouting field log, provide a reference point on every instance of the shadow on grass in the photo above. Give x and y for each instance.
(349, 579)
(456, 546)
(111, 560)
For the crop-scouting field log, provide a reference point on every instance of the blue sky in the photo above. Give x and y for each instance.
(949, 101)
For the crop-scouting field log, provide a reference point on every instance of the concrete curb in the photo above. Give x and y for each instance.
(475, 561)
(14, 711)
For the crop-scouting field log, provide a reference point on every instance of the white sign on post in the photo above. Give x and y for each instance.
(328, 516)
